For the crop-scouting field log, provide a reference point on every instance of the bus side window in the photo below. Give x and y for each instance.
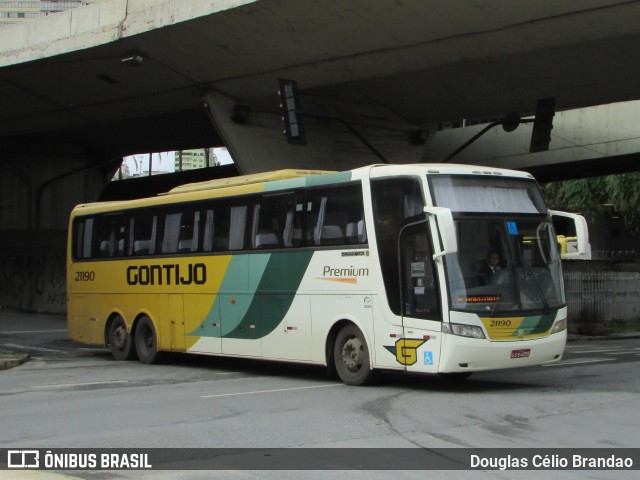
(221, 218)
(171, 234)
(109, 236)
(275, 221)
(356, 231)
(82, 234)
(237, 224)
(292, 233)
(209, 231)
(143, 230)
(334, 216)
(188, 233)
(263, 231)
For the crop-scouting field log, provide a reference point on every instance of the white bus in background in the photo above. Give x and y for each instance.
(573, 235)
(378, 268)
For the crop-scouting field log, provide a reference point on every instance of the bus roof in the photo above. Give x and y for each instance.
(288, 178)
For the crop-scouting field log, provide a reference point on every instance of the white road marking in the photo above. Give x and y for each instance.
(33, 331)
(578, 362)
(30, 347)
(272, 391)
(596, 351)
(85, 384)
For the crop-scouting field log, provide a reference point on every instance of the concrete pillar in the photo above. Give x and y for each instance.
(40, 183)
(604, 132)
(259, 145)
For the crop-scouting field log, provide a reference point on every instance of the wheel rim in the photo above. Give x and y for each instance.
(143, 342)
(353, 354)
(120, 337)
(148, 340)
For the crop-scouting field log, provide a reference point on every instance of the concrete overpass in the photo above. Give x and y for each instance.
(82, 88)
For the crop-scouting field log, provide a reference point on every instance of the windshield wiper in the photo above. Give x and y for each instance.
(497, 301)
(529, 274)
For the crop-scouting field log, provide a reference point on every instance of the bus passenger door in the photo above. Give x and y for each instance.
(419, 349)
(172, 322)
(78, 319)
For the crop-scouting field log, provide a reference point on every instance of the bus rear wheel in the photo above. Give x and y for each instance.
(147, 341)
(120, 341)
(351, 357)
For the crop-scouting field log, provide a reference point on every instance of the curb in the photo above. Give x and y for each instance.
(13, 360)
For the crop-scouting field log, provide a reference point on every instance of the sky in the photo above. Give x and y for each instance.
(165, 161)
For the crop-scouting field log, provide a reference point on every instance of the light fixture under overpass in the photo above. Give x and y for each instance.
(240, 114)
(133, 59)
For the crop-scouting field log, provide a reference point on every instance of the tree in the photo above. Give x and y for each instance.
(593, 196)
(624, 194)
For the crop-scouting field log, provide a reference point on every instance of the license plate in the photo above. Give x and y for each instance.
(524, 353)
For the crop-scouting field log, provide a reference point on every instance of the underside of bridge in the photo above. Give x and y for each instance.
(85, 87)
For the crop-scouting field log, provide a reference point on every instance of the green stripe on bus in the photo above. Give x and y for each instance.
(312, 181)
(535, 324)
(285, 184)
(274, 296)
(236, 286)
(328, 179)
(254, 297)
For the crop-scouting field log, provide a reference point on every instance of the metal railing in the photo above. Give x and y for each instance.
(602, 298)
(616, 255)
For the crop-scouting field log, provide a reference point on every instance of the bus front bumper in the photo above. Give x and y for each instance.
(463, 354)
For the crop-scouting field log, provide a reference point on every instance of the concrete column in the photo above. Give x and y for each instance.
(259, 145)
(605, 133)
(40, 183)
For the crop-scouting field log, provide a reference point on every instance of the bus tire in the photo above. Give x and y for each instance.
(147, 341)
(351, 357)
(120, 341)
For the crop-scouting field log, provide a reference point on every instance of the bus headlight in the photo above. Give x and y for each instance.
(471, 331)
(559, 326)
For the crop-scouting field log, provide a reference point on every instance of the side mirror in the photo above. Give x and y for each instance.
(446, 230)
(578, 233)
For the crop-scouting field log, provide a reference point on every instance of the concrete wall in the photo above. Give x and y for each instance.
(40, 183)
(603, 297)
(580, 135)
(32, 270)
(42, 180)
(258, 145)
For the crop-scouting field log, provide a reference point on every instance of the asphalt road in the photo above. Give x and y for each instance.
(70, 395)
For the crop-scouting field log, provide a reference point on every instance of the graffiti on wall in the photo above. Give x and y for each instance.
(33, 281)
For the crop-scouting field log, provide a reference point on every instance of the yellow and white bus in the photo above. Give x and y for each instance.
(378, 268)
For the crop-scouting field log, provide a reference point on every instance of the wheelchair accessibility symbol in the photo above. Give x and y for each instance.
(428, 358)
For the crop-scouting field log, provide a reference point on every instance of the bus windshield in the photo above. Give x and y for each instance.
(507, 259)
(487, 194)
(504, 266)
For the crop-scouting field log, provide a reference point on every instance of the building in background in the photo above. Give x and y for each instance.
(148, 164)
(17, 11)
(196, 158)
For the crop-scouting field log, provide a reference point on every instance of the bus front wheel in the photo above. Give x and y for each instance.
(351, 357)
(120, 341)
(147, 341)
